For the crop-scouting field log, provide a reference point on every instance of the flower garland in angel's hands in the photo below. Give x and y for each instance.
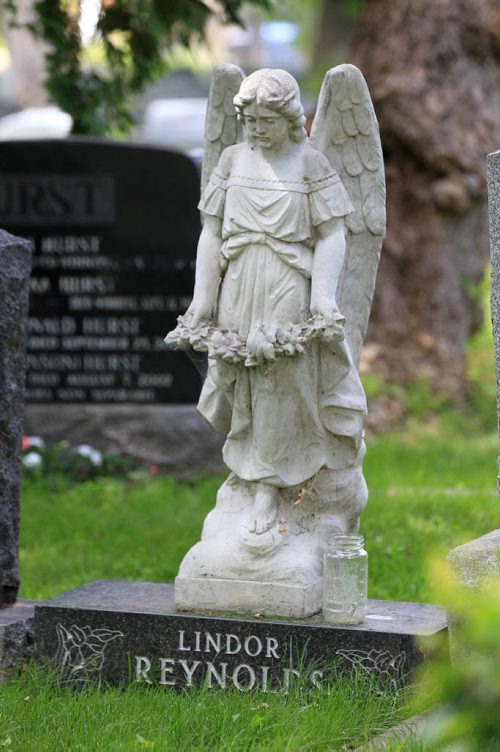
(288, 340)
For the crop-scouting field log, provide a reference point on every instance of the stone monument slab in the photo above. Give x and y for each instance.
(493, 163)
(474, 564)
(114, 229)
(15, 262)
(16, 634)
(126, 632)
(477, 560)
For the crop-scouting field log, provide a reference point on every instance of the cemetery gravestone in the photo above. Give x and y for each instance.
(130, 632)
(14, 288)
(114, 229)
(494, 218)
(478, 561)
(114, 236)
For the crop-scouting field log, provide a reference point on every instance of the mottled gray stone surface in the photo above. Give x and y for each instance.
(494, 212)
(140, 636)
(175, 437)
(15, 265)
(16, 634)
(473, 563)
(476, 561)
(413, 729)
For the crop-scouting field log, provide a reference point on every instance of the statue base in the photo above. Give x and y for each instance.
(279, 571)
(210, 594)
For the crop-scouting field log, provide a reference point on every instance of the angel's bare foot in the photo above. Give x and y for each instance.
(265, 508)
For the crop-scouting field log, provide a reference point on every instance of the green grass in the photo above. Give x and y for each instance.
(118, 529)
(427, 492)
(37, 716)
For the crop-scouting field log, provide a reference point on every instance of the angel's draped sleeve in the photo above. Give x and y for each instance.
(213, 198)
(328, 198)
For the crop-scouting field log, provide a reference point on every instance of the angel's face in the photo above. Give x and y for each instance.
(265, 127)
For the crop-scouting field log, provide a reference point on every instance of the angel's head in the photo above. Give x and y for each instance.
(271, 91)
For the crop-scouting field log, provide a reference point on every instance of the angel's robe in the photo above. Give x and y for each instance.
(287, 419)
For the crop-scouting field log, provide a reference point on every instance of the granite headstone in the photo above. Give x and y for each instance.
(130, 632)
(478, 561)
(494, 220)
(114, 229)
(15, 259)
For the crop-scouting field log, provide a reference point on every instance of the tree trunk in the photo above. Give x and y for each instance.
(334, 34)
(432, 67)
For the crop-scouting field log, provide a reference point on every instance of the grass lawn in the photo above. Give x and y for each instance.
(36, 716)
(428, 493)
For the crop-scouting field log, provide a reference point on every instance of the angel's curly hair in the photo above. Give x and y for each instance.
(279, 91)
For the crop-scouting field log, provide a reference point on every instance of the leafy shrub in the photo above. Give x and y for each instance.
(466, 691)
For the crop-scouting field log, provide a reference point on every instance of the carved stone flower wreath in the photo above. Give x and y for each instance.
(289, 340)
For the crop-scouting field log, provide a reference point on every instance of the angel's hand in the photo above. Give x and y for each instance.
(197, 312)
(327, 308)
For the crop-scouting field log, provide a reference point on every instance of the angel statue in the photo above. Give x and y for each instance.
(285, 271)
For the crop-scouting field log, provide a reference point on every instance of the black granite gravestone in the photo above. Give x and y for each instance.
(119, 632)
(114, 228)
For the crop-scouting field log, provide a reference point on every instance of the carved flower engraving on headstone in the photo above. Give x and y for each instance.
(80, 652)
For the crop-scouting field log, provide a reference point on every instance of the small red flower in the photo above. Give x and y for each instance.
(25, 443)
(153, 469)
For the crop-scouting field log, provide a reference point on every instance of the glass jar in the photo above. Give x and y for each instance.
(345, 580)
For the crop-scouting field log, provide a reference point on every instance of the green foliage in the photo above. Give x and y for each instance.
(420, 399)
(134, 35)
(76, 463)
(351, 9)
(467, 692)
(137, 529)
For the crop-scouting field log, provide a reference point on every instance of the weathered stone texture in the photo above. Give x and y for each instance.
(473, 564)
(16, 635)
(494, 209)
(136, 628)
(15, 257)
(477, 561)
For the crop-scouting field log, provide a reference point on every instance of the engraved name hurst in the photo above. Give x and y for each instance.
(56, 200)
(201, 660)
